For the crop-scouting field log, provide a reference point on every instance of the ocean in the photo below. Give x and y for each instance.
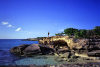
(6, 58)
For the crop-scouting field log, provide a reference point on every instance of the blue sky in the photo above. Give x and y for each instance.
(35, 18)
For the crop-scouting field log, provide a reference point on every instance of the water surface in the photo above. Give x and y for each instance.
(6, 58)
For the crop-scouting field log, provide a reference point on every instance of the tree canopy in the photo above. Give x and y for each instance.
(70, 31)
(59, 34)
(97, 30)
(81, 33)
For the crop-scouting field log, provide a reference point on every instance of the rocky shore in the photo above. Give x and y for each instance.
(76, 52)
(31, 50)
(92, 64)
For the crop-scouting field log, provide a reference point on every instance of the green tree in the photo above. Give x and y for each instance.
(97, 30)
(59, 34)
(77, 34)
(83, 33)
(70, 31)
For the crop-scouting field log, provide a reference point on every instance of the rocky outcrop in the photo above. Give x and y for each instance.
(46, 50)
(31, 50)
(67, 41)
(59, 45)
(19, 49)
(93, 44)
(94, 47)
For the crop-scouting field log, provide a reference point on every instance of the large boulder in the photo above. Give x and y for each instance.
(32, 50)
(19, 49)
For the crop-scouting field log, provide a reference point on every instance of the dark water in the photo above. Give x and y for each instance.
(6, 58)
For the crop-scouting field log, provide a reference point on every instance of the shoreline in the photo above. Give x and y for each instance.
(59, 46)
(92, 64)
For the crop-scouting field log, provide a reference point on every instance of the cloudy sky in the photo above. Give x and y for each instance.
(35, 18)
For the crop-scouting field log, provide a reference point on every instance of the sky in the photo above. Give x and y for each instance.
(21, 19)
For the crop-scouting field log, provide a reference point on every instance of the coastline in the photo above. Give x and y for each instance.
(92, 64)
(57, 47)
(68, 55)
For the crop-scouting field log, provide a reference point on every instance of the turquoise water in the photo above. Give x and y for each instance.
(39, 60)
(6, 58)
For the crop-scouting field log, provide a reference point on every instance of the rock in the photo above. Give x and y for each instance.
(32, 50)
(46, 50)
(56, 54)
(62, 50)
(19, 49)
(95, 53)
(65, 55)
(62, 41)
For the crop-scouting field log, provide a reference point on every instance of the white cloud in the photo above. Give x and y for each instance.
(18, 29)
(10, 25)
(5, 23)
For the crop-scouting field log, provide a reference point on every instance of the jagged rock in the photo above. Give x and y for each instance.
(69, 42)
(68, 56)
(19, 49)
(62, 50)
(95, 53)
(46, 50)
(65, 55)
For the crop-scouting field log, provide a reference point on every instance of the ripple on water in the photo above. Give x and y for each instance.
(38, 60)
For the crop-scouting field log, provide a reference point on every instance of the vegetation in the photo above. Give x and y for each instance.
(59, 34)
(81, 33)
(97, 30)
(70, 31)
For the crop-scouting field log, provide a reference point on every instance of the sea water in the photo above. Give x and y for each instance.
(6, 58)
